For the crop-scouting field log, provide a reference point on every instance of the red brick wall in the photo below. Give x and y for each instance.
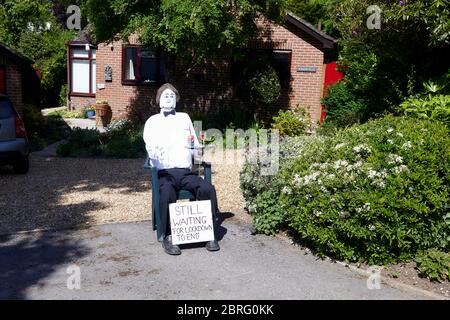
(306, 88)
(207, 87)
(14, 85)
(79, 103)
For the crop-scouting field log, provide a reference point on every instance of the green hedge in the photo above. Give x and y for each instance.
(122, 140)
(376, 193)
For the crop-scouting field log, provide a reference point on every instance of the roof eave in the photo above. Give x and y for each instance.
(15, 55)
(326, 41)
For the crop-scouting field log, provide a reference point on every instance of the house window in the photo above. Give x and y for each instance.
(141, 66)
(2, 79)
(82, 71)
(253, 59)
(281, 62)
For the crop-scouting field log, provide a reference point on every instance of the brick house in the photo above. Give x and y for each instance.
(128, 75)
(18, 79)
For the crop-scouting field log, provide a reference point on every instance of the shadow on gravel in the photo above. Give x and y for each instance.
(26, 261)
(62, 192)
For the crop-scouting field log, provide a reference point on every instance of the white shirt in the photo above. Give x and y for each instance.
(167, 140)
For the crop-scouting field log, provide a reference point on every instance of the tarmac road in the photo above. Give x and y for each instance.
(124, 261)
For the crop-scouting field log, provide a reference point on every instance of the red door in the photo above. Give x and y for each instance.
(2, 79)
(331, 76)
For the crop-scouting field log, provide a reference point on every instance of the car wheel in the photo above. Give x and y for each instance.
(22, 165)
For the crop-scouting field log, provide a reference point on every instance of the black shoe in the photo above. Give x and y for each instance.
(170, 248)
(212, 245)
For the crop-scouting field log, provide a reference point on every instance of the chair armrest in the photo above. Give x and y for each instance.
(147, 165)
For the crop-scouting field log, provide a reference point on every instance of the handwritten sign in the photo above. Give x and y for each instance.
(191, 222)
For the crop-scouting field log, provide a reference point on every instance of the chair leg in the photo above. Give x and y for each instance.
(159, 232)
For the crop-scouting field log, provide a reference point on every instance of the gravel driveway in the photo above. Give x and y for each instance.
(65, 192)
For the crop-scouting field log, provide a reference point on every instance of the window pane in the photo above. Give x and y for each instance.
(80, 53)
(94, 53)
(130, 63)
(149, 69)
(282, 66)
(93, 77)
(80, 76)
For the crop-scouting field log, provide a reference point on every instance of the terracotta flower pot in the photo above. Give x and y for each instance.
(102, 110)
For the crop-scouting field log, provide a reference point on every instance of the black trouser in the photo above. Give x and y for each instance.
(172, 180)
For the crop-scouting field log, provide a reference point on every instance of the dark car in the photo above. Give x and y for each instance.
(14, 148)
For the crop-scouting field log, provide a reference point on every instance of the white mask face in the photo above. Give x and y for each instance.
(167, 100)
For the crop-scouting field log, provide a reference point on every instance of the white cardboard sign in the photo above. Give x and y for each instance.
(191, 222)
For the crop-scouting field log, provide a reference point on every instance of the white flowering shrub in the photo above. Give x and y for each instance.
(292, 122)
(377, 192)
(262, 192)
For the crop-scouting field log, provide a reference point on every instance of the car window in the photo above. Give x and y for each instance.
(6, 110)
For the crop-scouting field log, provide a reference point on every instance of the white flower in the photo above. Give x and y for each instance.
(407, 145)
(400, 135)
(297, 180)
(311, 177)
(286, 190)
(317, 213)
(371, 227)
(340, 163)
(390, 141)
(390, 130)
(394, 158)
(339, 145)
(400, 169)
(323, 189)
(372, 174)
(364, 208)
(362, 148)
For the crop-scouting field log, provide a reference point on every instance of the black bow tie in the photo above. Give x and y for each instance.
(166, 113)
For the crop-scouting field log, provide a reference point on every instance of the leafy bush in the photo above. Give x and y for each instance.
(122, 140)
(435, 107)
(291, 122)
(261, 192)
(41, 130)
(342, 106)
(433, 103)
(376, 192)
(264, 86)
(81, 142)
(63, 95)
(64, 113)
(434, 265)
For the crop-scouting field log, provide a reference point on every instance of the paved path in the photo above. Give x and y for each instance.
(50, 150)
(83, 123)
(124, 261)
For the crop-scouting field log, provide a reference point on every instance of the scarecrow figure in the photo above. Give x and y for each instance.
(171, 142)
